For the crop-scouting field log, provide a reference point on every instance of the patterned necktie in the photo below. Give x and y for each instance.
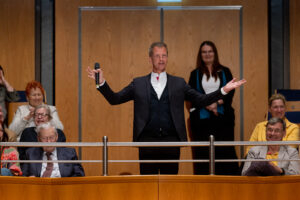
(49, 167)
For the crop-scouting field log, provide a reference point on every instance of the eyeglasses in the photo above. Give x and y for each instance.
(50, 138)
(40, 114)
(275, 130)
(160, 56)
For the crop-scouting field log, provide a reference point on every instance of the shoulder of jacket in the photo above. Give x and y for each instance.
(33, 149)
(67, 149)
(139, 78)
(194, 71)
(290, 149)
(255, 149)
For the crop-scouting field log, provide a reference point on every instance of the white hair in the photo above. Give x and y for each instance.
(46, 125)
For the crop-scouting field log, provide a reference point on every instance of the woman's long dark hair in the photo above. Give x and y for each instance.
(216, 66)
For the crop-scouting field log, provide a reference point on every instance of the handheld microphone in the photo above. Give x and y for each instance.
(97, 66)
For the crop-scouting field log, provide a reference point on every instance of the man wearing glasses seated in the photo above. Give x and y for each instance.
(47, 133)
(275, 131)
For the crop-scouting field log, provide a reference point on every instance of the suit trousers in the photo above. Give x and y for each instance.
(159, 153)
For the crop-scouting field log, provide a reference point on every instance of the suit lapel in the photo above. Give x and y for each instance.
(170, 88)
(39, 156)
(281, 156)
(60, 156)
(148, 87)
(263, 152)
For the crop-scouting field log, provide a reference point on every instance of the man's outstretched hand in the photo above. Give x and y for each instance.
(233, 84)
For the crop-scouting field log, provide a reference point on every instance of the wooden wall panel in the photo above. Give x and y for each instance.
(17, 52)
(228, 188)
(104, 188)
(255, 54)
(66, 66)
(294, 44)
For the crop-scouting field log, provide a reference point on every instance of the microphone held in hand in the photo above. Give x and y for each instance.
(97, 66)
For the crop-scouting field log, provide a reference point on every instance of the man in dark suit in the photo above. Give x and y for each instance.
(159, 108)
(47, 133)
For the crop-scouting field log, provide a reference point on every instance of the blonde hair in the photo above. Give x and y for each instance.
(276, 97)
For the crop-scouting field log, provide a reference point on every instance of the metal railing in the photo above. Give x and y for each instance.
(105, 145)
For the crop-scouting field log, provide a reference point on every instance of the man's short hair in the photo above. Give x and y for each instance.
(275, 120)
(45, 126)
(276, 97)
(157, 44)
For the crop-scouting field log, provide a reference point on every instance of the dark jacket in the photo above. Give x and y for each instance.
(139, 91)
(63, 153)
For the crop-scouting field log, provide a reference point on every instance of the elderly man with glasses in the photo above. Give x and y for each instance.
(275, 131)
(47, 133)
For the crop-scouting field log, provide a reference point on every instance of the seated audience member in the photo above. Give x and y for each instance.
(42, 114)
(7, 92)
(276, 109)
(275, 131)
(8, 153)
(24, 116)
(47, 133)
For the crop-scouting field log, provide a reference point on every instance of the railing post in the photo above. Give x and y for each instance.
(211, 155)
(105, 157)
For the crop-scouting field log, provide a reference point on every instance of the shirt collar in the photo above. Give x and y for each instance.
(54, 153)
(162, 76)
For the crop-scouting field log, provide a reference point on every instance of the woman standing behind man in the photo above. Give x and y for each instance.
(216, 119)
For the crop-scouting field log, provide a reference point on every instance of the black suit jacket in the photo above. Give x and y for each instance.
(63, 153)
(30, 135)
(139, 91)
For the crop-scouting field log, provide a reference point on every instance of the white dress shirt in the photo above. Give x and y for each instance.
(159, 82)
(55, 172)
(211, 84)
